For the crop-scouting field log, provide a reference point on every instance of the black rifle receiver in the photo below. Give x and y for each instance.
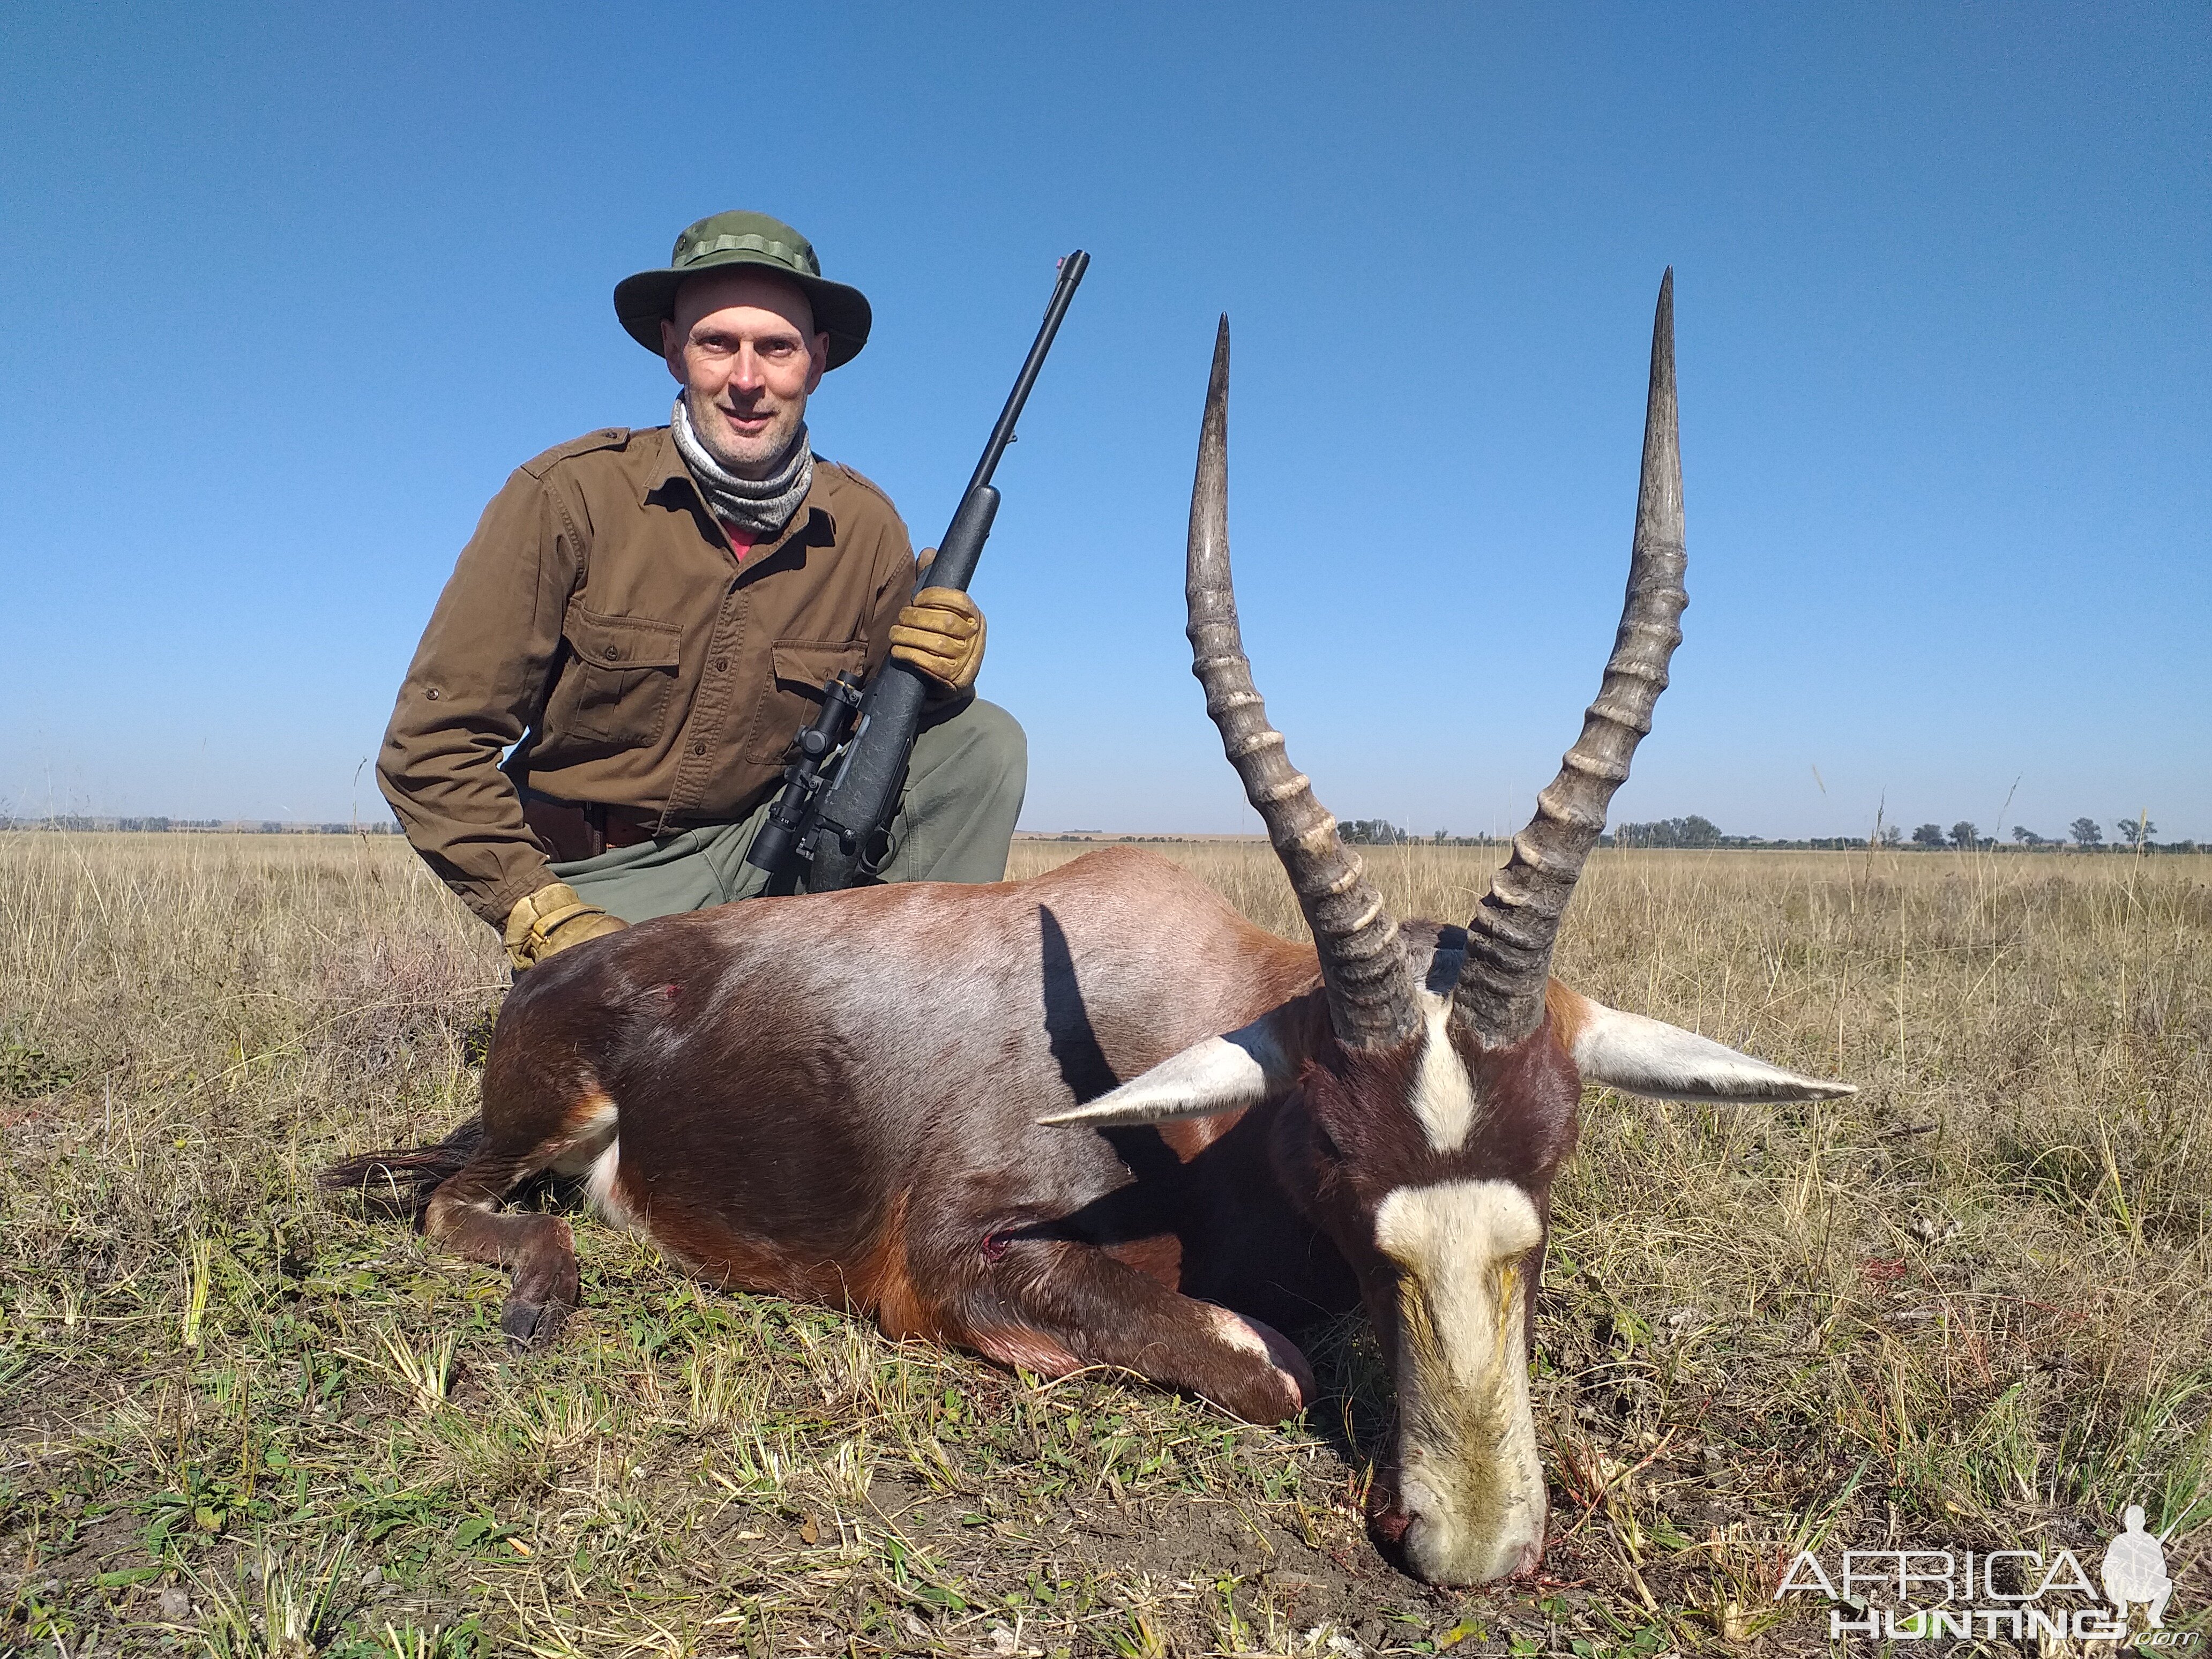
(776, 841)
(840, 832)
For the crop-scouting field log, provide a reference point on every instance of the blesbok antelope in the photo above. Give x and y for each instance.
(1097, 1117)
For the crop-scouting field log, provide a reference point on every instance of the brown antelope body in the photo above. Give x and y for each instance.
(1100, 1119)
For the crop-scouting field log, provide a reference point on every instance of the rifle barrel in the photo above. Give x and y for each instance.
(847, 817)
(1071, 276)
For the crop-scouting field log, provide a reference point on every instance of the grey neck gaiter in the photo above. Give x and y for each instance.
(759, 507)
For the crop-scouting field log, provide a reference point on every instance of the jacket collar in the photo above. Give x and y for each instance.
(664, 472)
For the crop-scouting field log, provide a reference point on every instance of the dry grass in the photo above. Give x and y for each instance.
(1968, 1305)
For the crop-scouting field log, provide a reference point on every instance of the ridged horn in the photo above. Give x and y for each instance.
(1500, 994)
(1370, 986)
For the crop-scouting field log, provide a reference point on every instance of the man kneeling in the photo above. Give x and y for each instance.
(648, 617)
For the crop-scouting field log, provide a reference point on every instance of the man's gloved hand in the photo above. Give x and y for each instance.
(941, 633)
(552, 919)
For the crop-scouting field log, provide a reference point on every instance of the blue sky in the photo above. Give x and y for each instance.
(292, 290)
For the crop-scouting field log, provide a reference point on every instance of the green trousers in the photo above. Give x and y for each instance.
(955, 822)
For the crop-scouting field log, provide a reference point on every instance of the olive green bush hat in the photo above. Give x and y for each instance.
(744, 239)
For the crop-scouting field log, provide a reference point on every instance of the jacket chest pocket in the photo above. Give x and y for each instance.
(620, 681)
(797, 669)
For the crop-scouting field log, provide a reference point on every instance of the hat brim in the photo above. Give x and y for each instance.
(644, 301)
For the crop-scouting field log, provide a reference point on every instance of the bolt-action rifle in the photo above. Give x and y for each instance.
(831, 826)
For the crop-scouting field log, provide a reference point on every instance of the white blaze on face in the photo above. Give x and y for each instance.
(1468, 1470)
(1444, 1094)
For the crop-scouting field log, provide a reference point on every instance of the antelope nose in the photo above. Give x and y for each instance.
(1442, 1554)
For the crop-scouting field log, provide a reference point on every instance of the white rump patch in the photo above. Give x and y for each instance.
(594, 1153)
(1219, 1074)
(588, 1132)
(1444, 1094)
(599, 1186)
(1641, 1056)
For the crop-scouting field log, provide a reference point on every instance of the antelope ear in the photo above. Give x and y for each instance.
(1220, 1074)
(1640, 1056)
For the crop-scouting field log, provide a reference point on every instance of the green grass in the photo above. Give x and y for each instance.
(1968, 1305)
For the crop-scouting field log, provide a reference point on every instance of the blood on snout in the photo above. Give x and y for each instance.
(1390, 1521)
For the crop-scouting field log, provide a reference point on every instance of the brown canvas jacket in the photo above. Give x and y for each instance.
(598, 622)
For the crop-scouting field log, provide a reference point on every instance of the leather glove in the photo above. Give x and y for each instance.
(552, 919)
(941, 633)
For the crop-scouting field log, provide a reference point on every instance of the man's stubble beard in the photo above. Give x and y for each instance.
(748, 458)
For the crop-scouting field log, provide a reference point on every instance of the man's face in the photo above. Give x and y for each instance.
(743, 346)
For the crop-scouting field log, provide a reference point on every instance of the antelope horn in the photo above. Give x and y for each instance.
(1499, 997)
(1370, 986)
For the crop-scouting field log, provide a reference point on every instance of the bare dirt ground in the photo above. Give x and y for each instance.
(1968, 1308)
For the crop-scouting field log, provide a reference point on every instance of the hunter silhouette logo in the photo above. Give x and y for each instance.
(2135, 1569)
(2020, 1594)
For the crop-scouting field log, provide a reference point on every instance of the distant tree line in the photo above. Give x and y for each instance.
(79, 822)
(1693, 831)
(2084, 835)
(2136, 835)
(1381, 832)
(1375, 832)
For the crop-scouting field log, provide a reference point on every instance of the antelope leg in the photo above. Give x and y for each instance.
(539, 1250)
(1056, 1307)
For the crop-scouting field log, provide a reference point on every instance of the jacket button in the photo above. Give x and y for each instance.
(432, 694)
(614, 654)
(698, 748)
(722, 664)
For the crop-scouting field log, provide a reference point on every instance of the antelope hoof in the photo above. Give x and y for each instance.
(532, 1325)
(544, 1296)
